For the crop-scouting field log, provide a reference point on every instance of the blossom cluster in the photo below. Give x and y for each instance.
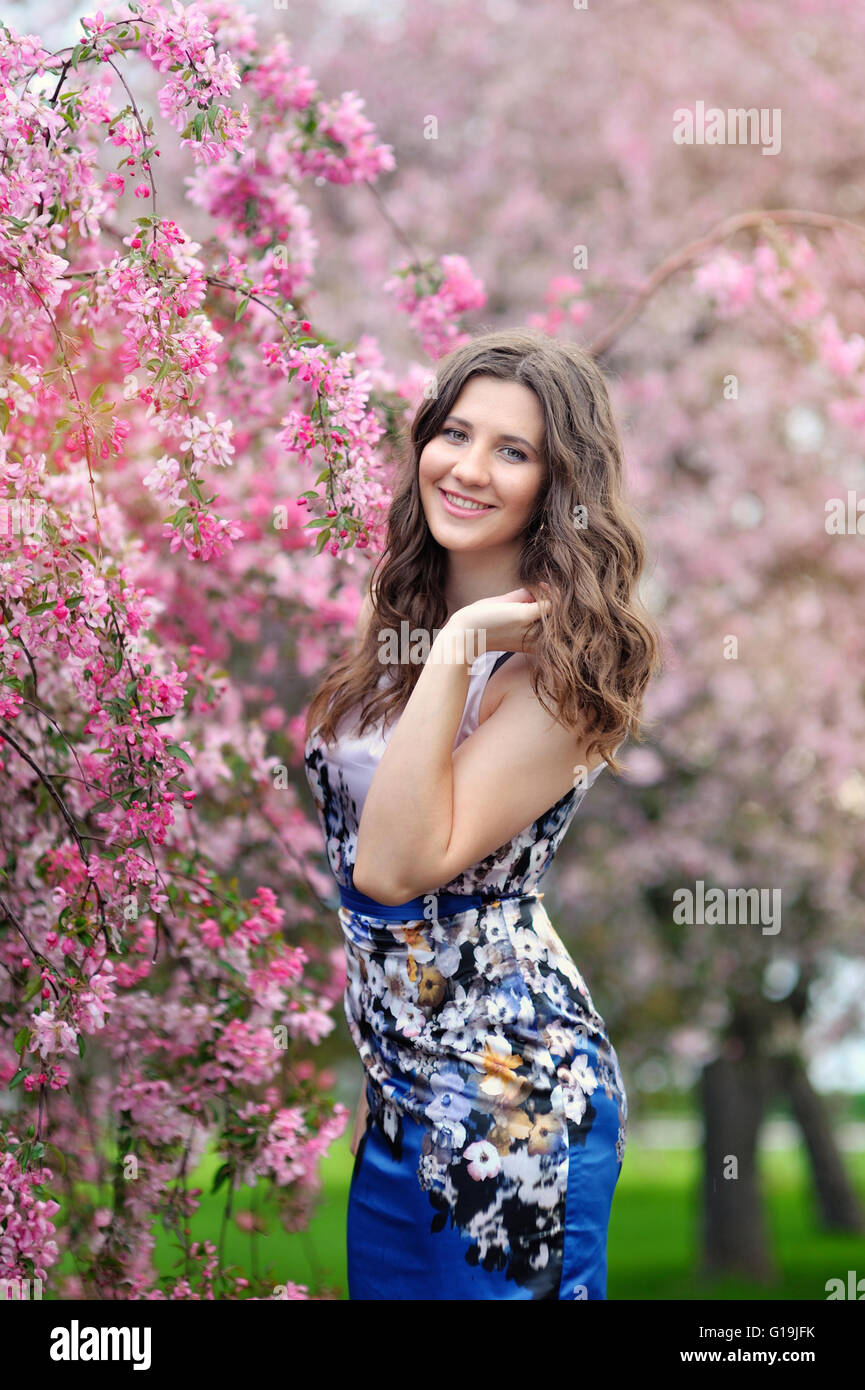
(123, 930)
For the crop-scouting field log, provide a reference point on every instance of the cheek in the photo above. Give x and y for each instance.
(428, 466)
(522, 496)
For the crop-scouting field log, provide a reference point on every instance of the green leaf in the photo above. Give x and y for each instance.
(97, 393)
(241, 308)
(221, 1176)
(57, 1157)
(321, 542)
(21, 1037)
(178, 752)
(80, 1044)
(17, 1078)
(4, 416)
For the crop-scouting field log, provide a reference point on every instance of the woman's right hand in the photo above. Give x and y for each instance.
(501, 621)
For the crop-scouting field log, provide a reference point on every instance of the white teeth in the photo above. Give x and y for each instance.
(469, 506)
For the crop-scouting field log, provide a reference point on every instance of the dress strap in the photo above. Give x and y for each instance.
(501, 661)
(480, 674)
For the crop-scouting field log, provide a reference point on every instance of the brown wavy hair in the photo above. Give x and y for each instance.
(596, 648)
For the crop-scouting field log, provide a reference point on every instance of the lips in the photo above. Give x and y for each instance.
(456, 509)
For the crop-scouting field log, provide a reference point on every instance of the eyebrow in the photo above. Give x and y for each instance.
(518, 438)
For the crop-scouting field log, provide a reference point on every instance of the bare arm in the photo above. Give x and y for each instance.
(437, 811)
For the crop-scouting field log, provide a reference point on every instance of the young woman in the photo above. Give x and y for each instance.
(502, 658)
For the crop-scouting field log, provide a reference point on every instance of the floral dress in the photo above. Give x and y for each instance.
(497, 1112)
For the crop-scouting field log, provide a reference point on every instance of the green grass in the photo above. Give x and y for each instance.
(653, 1236)
(655, 1225)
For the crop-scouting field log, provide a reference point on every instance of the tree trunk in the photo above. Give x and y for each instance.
(735, 1089)
(840, 1209)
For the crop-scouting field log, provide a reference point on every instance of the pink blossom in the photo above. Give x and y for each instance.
(52, 1034)
(728, 279)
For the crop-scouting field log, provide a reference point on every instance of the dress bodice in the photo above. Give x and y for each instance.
(340, 775)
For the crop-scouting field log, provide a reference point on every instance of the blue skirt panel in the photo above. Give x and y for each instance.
(401, 1244)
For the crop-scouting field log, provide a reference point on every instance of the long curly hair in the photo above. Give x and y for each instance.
(595, 648)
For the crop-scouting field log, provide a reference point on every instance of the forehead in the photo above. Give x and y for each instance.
(503, 405)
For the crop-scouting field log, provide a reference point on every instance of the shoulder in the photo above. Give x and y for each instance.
(513, 675)
(513, 681)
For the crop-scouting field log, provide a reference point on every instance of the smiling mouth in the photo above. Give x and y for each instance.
(457, 503)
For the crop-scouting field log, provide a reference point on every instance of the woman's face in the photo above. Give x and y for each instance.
(489, 451)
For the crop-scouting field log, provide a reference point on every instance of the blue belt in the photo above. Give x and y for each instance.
(429, 906)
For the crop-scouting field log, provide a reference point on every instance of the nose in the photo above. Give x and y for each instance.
(471, 467)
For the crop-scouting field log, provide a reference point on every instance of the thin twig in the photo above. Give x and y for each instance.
(679, 259)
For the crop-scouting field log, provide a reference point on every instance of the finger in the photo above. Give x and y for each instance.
(521, 593)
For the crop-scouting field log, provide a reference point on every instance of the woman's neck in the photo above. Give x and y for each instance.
(473, 577)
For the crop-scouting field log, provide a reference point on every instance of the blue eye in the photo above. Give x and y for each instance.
(452, 429)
